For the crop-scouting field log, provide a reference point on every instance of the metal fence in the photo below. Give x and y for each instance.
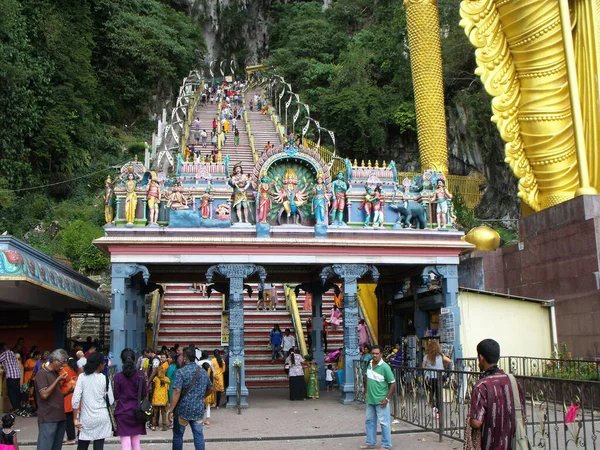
(570, 369)
(440, 401)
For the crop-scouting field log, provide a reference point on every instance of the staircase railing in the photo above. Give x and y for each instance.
(290, 299)
(249, 129)
(190, 117)
(155, 313)
(364, 315)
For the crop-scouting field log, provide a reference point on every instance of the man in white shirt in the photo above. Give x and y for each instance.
(289, 342)
(81, 360)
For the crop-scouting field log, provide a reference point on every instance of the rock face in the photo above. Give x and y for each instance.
(238, 28)
(231, 27)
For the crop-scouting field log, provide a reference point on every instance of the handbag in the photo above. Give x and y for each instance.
(111, 413)
(520, 441)
(286, 368)
(143, 410)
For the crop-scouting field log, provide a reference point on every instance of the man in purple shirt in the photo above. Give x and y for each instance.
(13, 375)
(492, 404)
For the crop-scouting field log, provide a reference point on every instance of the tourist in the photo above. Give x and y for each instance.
(218, 379)
(160, 396)
(203, 135)
(197, 124)
(19, 347)
(13, 376)
(153, 366)
(51, 416)
(197, 136)
(312, 388)
(127, 384)
(335, 317)
(492, 408)
(67, 386)
(90, 350)
(295, 364)
(363, 334)
(214, 125)
(81, 360)
(171, 370)
(275, 339)
(435, 360)
(324, 334)
(251, 105)
(236, 136)
(8, 437)
(210, 399)
(289, 342)
(87, 344)
(89, 399)
(329, 377)
(225, 126)
(380, 388)
(191, 387)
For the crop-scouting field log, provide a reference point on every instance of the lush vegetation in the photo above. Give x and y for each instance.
(77, 81)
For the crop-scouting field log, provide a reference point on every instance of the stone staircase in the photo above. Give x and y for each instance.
(188, 318)
(206, 114)
(262, 126)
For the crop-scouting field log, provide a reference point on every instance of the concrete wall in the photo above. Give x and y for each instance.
(557, 259)
(521, 328)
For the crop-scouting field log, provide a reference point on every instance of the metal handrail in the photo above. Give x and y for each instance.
(361, 308)
(186, 127)
(290, 296)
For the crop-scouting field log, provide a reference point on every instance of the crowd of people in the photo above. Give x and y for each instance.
(73, 398)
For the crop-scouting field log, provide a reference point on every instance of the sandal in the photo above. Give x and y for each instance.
(153, 428)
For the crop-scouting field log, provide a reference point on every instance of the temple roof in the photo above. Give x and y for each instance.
(31, 279)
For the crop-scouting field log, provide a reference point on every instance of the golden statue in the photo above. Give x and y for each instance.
(131, 196)
(526, 59)
(423, 27)
(109, 201)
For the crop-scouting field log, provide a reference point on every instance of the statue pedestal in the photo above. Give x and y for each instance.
(321, 231)
(263, 230)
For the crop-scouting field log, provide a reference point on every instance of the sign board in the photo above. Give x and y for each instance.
(447, 329)
(225, 328)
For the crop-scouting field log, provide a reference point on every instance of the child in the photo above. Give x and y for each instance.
(329, 378)
(8, 438)
(160, 398)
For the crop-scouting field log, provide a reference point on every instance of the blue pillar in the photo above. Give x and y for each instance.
(449, 275)
(236, 273)
(127, 315)
(349, 273)
(60, 330)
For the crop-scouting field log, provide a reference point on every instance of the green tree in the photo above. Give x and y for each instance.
(77, 245)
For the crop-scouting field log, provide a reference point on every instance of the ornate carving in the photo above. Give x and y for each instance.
(236, 271)
(423, 26)
(349, 271)
(130, 270)
(531, 103)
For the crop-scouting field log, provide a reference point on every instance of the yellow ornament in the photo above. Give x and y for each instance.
(483, 238)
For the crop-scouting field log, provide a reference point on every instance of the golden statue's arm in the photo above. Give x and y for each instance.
(520, 59)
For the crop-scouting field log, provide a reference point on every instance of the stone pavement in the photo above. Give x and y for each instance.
(272, 421)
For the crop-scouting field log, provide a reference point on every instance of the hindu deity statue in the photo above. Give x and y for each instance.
(441, 196)
(263, 199)
(319, 203)
(109, 201)
(240, 184)
(338, 201)
(153, 196)
(290, 196)
(367, 204)
(204, 206)
(130, 195)
(176, 199)
(378, 207)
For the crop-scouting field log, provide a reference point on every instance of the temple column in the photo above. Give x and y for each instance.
(317, 334)
(349, 273)
(448, 274)
(236, 273)
(127, 315)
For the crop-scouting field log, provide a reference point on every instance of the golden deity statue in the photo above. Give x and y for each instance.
(538, 59)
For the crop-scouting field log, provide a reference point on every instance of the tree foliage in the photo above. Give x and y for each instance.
(73, 73)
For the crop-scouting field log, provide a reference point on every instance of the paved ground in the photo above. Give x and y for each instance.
(272, 421)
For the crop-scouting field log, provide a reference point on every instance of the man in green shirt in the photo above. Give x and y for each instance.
(380, 387)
